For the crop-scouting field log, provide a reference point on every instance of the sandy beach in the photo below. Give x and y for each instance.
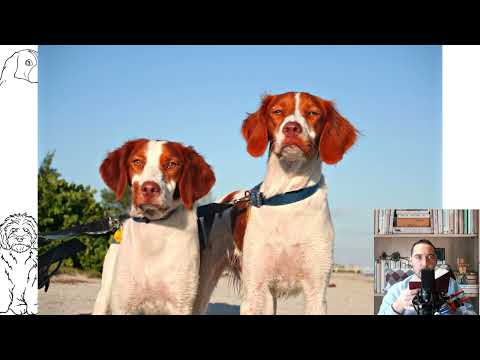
(76, 294)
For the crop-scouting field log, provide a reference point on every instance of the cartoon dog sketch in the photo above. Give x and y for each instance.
(18, 265)
(22, 65)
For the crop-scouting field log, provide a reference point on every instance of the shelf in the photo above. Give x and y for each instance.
(459, 236)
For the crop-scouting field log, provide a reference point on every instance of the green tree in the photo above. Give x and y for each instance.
(61, 205)
(114, 207)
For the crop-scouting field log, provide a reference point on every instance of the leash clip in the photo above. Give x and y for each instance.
(256, 197)
(113, 223)
(245, 198)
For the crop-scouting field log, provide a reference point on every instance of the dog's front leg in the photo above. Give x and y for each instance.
(254, 300)
(102, 304)
(315, 290)
(271, 304)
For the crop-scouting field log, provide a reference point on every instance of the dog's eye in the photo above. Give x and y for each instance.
(171, 164)
(312, 113)
(137, 162)
(277, 112)
(28, 63)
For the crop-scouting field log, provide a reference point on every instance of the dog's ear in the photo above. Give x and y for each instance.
(255, 129)
(32, 225)
(114, 169)
(4, 235)
(197, 177)
(337, 136)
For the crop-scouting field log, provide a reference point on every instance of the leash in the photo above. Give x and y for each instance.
(71, 247)
(205, 217)
(206, 213)
(256, 198)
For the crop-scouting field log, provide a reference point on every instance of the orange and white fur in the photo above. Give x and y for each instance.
(288, 249)
(155, 268)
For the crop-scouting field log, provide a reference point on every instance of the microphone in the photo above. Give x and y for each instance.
(426, 299)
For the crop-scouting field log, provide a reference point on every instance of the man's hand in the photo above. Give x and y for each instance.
(404, 300)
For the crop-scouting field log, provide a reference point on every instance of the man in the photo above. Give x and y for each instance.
(398, 300)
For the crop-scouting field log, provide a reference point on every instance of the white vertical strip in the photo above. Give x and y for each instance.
(18, 161)
(461, 127)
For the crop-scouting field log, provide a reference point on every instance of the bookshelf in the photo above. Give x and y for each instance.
(455, 246)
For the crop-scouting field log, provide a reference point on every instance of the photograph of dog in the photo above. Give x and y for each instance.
(18, 265)
(155, 269)
(286, 248)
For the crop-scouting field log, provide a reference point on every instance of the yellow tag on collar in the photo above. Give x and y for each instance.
(118, 236)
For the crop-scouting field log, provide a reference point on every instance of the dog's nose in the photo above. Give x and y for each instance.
(150, 188)
(292, 128)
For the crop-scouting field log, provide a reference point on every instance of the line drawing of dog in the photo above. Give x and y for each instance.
(18, 265)
(22, 65)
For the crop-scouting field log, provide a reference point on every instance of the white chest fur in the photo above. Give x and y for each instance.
(286, 245)
(157, 266)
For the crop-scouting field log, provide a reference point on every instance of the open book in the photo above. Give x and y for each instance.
(442, 280)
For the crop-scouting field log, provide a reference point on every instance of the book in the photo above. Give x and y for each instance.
(390, 228)
(445, 221)
(442, 280)
(413, 230)
(413, 222)
(402, 215)
(460, 225)
(450, 222)
(440, 221)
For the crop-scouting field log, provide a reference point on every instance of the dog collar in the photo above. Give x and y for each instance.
(257, 198)
(143, 219)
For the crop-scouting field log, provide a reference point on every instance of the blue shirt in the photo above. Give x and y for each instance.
(394, 293)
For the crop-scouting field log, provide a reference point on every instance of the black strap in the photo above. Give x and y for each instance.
(104, 226)
(57, 254)
(205, 217)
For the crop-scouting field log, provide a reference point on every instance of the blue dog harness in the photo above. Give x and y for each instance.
(206, 213)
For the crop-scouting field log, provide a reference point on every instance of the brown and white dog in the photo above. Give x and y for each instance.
(284, 250)
(155, 269)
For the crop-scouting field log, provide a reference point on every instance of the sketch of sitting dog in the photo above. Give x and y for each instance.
(22, 65)
(18, 265)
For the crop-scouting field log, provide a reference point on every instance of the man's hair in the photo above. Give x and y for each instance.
(423, 241)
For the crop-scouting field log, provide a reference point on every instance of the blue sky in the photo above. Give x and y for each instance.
(94, 98)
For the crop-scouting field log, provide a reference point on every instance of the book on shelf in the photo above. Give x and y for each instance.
(412, 230)
(438, 221)
(446, 220)
(451, 221)
(390, 228)
(413, 213)
(460, 225)
(413, 222)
